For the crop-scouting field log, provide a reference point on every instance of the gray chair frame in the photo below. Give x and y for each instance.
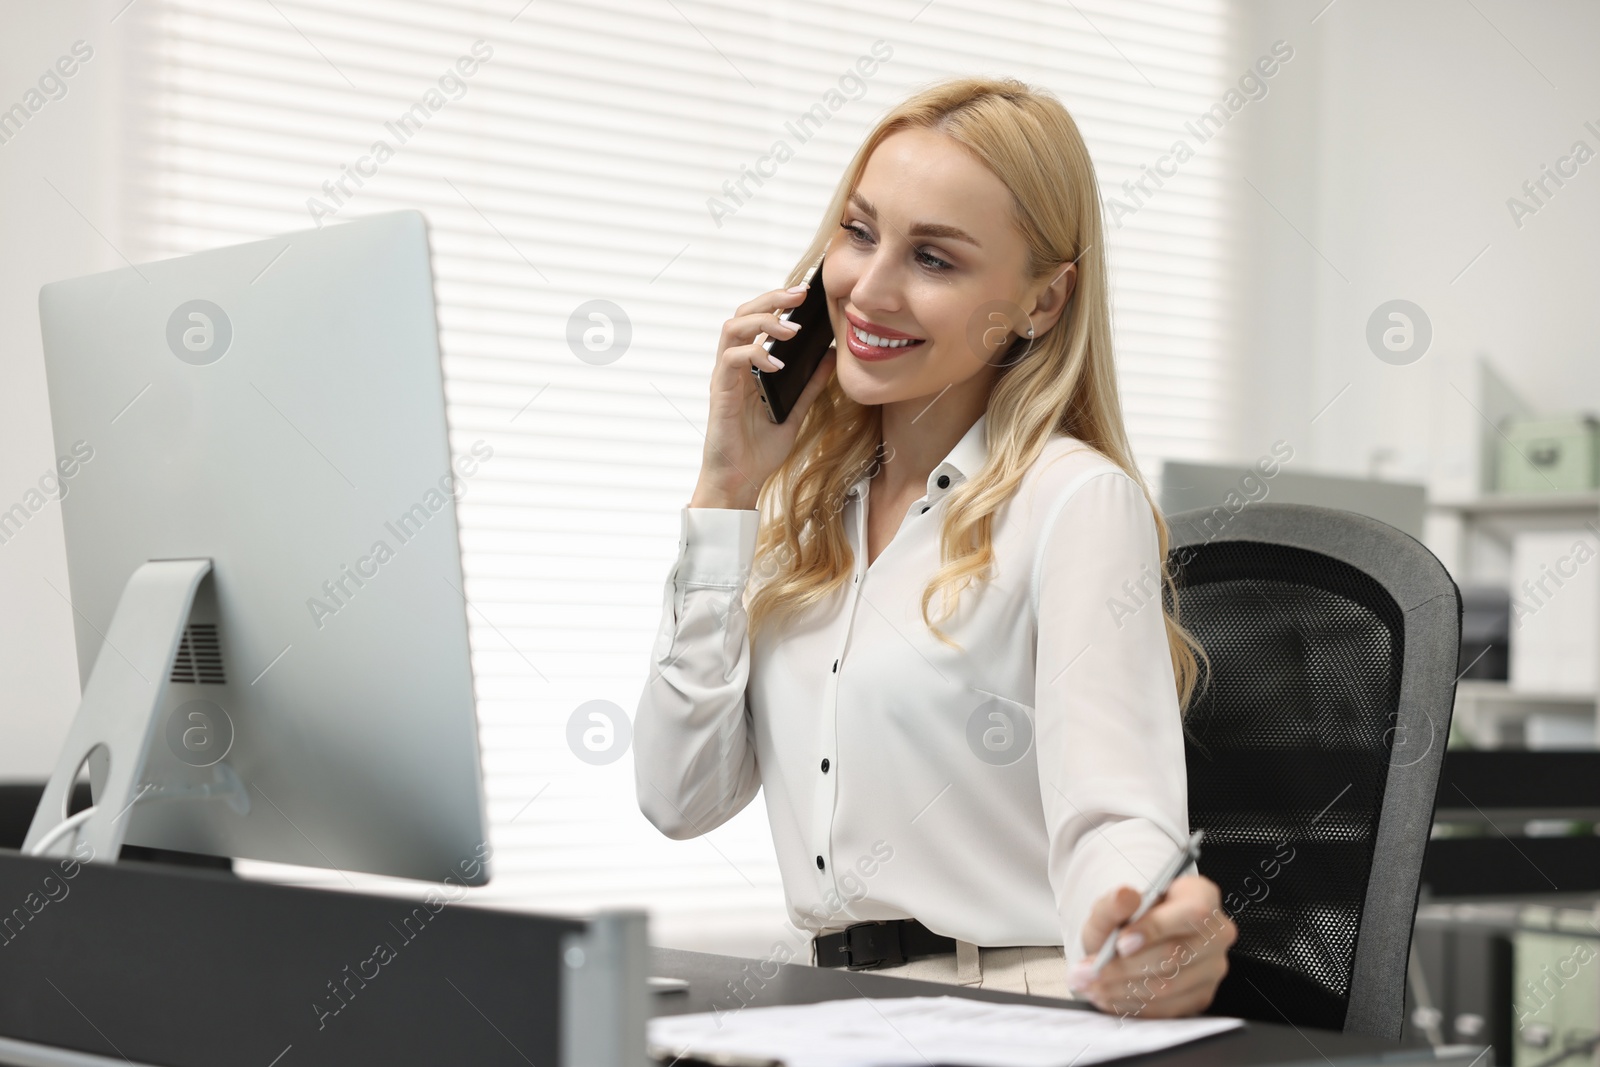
(1431, 606)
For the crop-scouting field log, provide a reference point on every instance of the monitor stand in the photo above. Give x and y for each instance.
(116, 719)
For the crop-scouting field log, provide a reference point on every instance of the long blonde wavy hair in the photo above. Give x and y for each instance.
(1066, 385)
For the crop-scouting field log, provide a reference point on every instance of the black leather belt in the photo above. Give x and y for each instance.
(866, 946)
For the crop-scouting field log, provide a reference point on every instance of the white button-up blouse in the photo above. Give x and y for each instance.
(993, 792)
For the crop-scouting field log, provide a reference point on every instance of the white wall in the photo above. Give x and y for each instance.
(1391, 143)
(74, 144)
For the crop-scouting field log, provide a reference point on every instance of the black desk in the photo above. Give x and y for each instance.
(1257, 1043)
(144, 963)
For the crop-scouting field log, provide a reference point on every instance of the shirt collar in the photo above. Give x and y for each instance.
(964, 461)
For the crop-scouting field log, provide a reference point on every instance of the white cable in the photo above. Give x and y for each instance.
(66, 827)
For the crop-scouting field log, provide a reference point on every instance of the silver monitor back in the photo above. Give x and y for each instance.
(278, 408)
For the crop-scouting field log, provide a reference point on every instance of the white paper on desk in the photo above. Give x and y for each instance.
(916, 1031)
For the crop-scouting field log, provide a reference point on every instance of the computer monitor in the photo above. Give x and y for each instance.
(259, 493)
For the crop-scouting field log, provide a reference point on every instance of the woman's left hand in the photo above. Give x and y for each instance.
(1167, 964)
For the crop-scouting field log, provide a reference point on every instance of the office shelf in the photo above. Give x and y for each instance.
(1569, 503)
(1493, 715)
(1478, 689)
(1479, 534)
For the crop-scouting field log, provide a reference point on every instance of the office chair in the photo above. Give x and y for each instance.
(1314, 750)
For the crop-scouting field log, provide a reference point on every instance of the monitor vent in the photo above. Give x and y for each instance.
(199, 659)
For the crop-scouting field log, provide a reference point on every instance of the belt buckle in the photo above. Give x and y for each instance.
(876, 943)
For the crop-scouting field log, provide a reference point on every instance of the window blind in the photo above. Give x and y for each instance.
(583, 158)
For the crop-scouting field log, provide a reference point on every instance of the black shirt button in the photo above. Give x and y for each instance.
(835, 666)
(944, 481)
(824, 766)
(820, 865)
(925, 509)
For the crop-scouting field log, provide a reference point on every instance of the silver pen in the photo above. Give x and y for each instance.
(1158, 889)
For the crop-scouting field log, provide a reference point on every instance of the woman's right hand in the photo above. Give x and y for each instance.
(743, 445)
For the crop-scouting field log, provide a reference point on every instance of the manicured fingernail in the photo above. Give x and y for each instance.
(802, 287)
(793, 325)
(775, 361)
(1081, 974)
(1130, 943)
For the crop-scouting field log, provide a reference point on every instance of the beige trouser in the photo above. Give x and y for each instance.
(1039, 970)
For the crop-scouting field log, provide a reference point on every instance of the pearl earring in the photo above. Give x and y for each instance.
(1030, 331)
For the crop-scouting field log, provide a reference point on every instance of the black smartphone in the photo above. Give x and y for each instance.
(800, 354)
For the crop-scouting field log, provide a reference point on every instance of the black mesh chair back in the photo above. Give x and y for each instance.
(1314, 750)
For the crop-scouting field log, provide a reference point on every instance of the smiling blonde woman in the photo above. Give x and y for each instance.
(976, 791)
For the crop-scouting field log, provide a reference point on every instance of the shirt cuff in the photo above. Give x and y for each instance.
(717, 546)
(1140, 850)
